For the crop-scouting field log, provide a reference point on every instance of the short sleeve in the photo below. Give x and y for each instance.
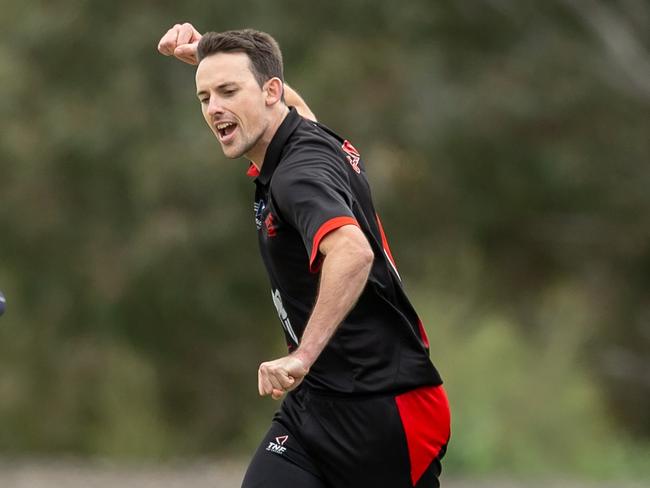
(315, 198)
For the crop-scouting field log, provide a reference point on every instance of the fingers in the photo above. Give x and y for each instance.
(274, 378)
(187, 53)
(168, 42)
(269, 385)
(295, 384)
(183, 36)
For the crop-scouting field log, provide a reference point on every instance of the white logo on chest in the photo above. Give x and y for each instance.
(284, 317)
(258, 208)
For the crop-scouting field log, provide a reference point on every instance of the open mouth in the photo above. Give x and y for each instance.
(226, 131)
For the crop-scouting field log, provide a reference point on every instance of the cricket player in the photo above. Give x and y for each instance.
(363, 405)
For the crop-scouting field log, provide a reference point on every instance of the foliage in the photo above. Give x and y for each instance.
(526, 405)
(507, 143)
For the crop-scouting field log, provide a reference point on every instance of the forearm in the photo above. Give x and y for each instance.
(343, 277)
(292, 99)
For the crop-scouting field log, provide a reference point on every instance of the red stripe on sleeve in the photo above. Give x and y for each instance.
(427, 425)
(326, 228)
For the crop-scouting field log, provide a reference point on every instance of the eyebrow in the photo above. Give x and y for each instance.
(219, 87)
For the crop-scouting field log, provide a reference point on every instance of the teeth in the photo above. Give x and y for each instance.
(224, 125)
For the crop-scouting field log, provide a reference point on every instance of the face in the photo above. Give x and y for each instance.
(233, 104)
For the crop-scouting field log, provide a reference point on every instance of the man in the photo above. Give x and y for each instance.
(364, 405)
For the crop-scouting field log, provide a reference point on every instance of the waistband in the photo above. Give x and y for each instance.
(307, 391)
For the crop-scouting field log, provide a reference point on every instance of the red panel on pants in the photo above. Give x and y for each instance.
(427, 424)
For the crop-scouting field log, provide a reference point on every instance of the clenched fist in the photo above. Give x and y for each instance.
(181, 42)
(277, 377)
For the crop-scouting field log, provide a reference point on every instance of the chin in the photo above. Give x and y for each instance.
(231, 156)
(231, 152)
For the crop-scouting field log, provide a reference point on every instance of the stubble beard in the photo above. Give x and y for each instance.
(247, 146)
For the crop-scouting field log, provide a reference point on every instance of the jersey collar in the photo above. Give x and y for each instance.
(252, 172)
(274, 151)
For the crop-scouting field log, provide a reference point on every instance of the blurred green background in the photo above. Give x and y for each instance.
(508, 144)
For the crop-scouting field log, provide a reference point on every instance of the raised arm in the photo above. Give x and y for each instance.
(293, 99)
(182, 40)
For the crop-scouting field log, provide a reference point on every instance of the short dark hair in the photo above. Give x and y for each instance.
(262, 50)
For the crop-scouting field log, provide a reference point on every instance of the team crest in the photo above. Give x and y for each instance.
(353, 155)
(270, 225)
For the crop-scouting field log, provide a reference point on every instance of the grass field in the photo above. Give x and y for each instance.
(72, 474)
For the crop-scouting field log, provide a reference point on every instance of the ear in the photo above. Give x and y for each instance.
(273, 89)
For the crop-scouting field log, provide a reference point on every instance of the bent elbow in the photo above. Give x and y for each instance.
(367, 256)
(351, 246)
(364, 257)
(359, 254)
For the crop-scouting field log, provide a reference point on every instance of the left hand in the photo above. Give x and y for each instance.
(181, 41)
(280, 376)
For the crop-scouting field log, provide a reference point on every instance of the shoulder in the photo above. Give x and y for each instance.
(310, 153)
(312, 140)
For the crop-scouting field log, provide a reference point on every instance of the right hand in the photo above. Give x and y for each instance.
(277, 377)
(181, 42)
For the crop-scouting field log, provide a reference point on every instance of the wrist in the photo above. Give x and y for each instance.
(304, 357)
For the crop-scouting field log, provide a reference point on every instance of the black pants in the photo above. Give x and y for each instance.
(319, 441)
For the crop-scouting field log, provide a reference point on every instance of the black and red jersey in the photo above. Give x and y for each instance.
(312, 182)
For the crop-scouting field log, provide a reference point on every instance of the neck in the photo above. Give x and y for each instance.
(256, 155)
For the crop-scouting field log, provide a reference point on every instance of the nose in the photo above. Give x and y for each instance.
(214, 107)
